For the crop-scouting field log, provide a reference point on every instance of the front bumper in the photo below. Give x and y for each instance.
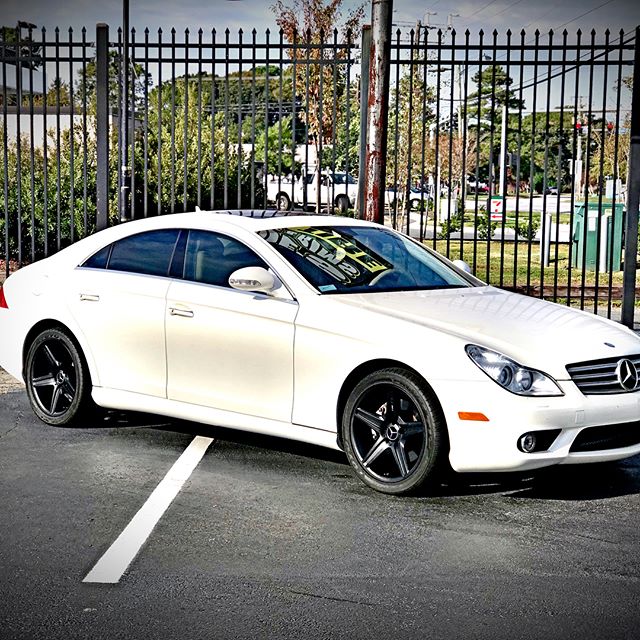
(493, 445)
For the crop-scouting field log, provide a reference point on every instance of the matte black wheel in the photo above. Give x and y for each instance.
(58, 384)
(283, 202)
(393, 433)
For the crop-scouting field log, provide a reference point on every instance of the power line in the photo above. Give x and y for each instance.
(513, 4)
(563, 69)
(475, 13)
(586, 13)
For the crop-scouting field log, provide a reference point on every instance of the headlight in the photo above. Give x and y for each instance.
(512, 376)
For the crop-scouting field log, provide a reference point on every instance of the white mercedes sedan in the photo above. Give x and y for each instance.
(326, 330)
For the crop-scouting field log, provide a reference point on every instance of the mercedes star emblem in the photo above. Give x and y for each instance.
(627, 374)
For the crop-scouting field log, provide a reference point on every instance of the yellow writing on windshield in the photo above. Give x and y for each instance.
(345, 248)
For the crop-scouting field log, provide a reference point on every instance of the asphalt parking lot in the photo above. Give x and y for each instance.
(272, 539)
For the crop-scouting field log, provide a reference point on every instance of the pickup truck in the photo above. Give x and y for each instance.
(338, 190)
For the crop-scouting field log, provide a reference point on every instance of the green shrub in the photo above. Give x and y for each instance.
(528, 229)
(451, 226)
(485, 227)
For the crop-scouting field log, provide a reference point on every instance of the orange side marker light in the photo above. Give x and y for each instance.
(472, 415)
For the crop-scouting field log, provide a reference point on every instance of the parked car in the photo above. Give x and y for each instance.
(419, 199)
(476, 186)
(552, 190)
(338, 190)
(332, 331)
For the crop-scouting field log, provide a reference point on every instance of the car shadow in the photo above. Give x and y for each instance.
(130, 419)
(572, 482)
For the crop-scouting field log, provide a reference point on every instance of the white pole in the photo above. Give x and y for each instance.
(503, 152)
(577, 168)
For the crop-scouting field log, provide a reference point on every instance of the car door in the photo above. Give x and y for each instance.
(228, 349)
(118, 298)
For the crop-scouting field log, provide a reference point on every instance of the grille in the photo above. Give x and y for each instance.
(612, 436)
(599, 377)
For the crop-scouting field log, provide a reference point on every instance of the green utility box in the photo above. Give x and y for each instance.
(609, 224)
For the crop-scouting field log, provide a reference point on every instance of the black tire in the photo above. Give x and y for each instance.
(393, 432)
(57, 380)
(342, 204)
(283, 202)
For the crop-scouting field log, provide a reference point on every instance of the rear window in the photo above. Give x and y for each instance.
(99, 260)
(147, 253)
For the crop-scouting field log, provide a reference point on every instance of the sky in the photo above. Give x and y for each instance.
(248, 14)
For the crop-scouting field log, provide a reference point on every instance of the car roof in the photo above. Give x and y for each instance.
(253, 220)
(250, 219)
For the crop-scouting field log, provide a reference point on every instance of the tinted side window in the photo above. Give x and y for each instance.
(147, 253)
(211, 258)
(99, 259)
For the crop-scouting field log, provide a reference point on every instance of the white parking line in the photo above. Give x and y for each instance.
(120, 554)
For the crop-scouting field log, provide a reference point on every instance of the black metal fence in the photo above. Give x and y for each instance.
(508, 151)
(512, 153)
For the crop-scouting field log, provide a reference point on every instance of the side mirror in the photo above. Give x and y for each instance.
(256, 279)
(461, 264)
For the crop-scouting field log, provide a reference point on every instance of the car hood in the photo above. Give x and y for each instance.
(534, 332)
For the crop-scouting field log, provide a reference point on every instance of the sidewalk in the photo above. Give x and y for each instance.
(8, 384)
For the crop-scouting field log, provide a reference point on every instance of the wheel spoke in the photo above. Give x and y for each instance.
(378, 448)
(57, 392)
(50, 357)
(44, 381)
(393, 406)
(371, 420)
(68, 390)
(400, 458)
(412, 429)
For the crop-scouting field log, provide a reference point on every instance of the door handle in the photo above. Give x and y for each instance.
(89, 297)
(183, 313)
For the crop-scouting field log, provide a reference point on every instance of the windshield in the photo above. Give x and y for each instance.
(361, 259)
(341, 178)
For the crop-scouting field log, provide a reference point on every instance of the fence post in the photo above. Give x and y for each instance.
(125, 171)
(364, 114)
(378, 103)
(633, 198)
(102, 125)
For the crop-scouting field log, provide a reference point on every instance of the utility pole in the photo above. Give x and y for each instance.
(364, 114)
(633, 199)
(378, 102)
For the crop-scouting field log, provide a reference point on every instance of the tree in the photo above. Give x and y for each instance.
(544, 149)
(62, 193)
(484, 113)
(410, 161)
(182, 148)
(313, 30)
(16, 45)
(347, 147)
(278, 139)
(58, 94)
(87, 82)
